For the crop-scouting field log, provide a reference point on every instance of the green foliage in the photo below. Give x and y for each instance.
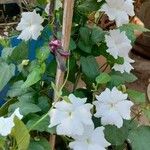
(117, 78)
(85, 41)
(139, 138)
(7, 72)
(39, 144)
(103, 78)
(31, 85)
(42, 53)
(21, 134)
(136, 96)
(89, 67)
(41, 127)
(19, 53)
(116, 136)
(131, 28)
(89, 5)
(97, 35)
(25, 108)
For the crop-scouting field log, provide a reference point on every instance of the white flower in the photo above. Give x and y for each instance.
(113, 106)
(6, 124)
(70, 117)
(118, 43)
(57, 6)
(30, 25)
(125, 67)
(92, 139)
(119, 10)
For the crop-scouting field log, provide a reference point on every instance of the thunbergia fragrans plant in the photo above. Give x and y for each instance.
(93, 108)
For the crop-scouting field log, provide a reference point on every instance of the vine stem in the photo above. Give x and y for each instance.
(66, 32)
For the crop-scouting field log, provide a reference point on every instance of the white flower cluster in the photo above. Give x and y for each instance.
(6, 124)
(30, 25)
(117, 42)
(74, 118)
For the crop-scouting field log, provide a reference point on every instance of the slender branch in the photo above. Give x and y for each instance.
(66, 32)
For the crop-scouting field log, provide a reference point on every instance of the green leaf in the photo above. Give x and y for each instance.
(103, 78)
(51, 68)
(97, 35)
(130, 28)
(136, 96)
(129, 77)
(27, 97)
(41, 127)
(32, 78)
(89, 6)
(89, 67)
(21, 134)
(25, 108)
(20, 53)
(7, 72)
(15, 89)
(40, 144)
(118, 78)
(85, 42)
(6, 53)
(42, 2)
(43, 103)
(4, 107)
(43, 53)
(139, 138)
(72, 45)
(114, 135)
(2, 142)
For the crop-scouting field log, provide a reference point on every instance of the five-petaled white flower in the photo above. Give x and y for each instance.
(57, 6)
(92, 139)
(118, 43)
(30, 25)
(119, 10)
(125, 67)
(6, 124)
(112, 106)
(70, 117)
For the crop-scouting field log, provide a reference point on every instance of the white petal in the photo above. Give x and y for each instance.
(129, 7)
(126, 67)
(56, 117)
(112, 118)
(64, 106)
(109, 11)
(36, 31)
(121, 18)
(70, 127)
(25, 35)
(17, 114)
(77, 145)
(85, 114)
(95, 147)
(101, 109)
(76, 101)
(123, 108)
(6, 125)
(104, 96)
(117, 95)
(99, 138)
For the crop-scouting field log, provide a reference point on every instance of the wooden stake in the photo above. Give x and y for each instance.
(66, 32)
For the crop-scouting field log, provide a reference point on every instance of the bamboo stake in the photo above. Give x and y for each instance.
(66, 32)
